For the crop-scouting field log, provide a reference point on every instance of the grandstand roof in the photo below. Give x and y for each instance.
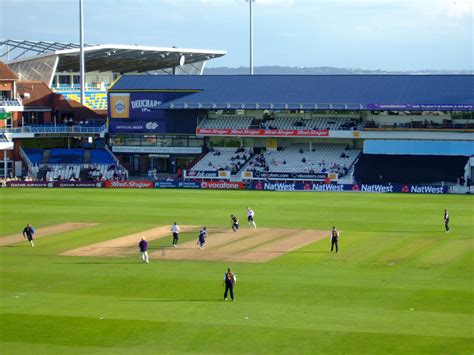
(357, 92)
(107, 57)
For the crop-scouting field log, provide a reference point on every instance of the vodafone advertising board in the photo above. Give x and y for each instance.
(263, 132)
(138, 184)
(225, 185)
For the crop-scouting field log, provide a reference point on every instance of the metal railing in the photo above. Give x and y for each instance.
(56, 129)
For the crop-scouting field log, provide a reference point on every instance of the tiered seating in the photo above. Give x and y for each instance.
(66, 164)
(101, 156)
(298, 158)
(96, 100)
(333, 123)
(66, 156)
(63, 172)
(35, 155)
(289, 122)
(227, 122)
(106, 172)
(230, 159)
(9, 102)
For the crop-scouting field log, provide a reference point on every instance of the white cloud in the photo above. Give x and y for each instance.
(458, 8)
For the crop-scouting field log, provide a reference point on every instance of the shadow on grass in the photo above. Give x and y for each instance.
(170, 248)
(100, 262)
(308, 252)
(175, 300)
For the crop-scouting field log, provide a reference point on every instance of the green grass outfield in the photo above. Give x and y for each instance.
(399, 285)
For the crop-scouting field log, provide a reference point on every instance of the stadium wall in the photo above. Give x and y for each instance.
(257, 186)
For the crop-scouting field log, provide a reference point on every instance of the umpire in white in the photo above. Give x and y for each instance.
(175, 230)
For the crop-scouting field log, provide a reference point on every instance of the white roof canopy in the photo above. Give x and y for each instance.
(108, 57)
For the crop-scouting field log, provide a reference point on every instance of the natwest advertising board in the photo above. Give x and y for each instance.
(138, 184)
(226, 185)
(263, 132)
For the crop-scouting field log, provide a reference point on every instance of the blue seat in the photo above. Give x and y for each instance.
(101, 156)
(34, 154)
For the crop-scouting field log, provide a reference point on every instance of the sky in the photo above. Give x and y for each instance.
(366, 34)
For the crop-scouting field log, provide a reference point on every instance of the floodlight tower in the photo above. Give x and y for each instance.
(81, 45)
(251, 35)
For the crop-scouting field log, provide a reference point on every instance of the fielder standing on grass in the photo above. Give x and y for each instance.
(143, 245)
(446, 221)
(334, 239)
(229, 282)
(202, 237)
(28, 233)
(175, 230)
(251, 217)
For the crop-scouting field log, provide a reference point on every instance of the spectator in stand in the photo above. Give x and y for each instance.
(461, 180)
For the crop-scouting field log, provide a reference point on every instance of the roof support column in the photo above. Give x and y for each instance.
(82, 64)
(251, 35)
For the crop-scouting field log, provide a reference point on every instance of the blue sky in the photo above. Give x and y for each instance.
(368, 34)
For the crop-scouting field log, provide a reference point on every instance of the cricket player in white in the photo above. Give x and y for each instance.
(250, 217)
(175, 230)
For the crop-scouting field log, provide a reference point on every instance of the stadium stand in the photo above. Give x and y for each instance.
(229, 159)
(413, 169)
(66, 156)
(284, 122)
(96, 100)
(35, 155)
(299, 158)
(63, 172)
(229, 121)
(104, 172)
(5, 102)
(66, 164)
(101, 156)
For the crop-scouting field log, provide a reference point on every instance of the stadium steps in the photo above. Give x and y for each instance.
(238, 172)
(205, 150)
(46, 154)
(87, 156)
(84, 174)
(41, 175)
